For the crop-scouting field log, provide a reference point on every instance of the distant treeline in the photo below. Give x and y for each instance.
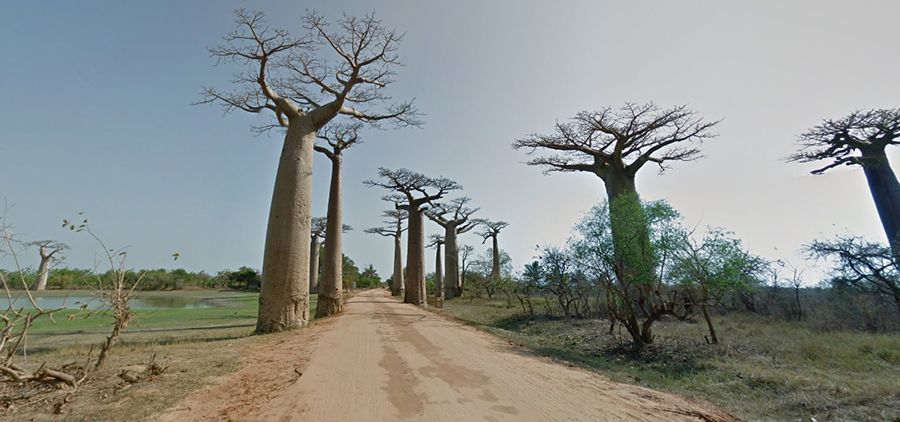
(244, 278)
(158, 279)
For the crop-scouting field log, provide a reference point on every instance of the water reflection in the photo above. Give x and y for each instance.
(87, 301)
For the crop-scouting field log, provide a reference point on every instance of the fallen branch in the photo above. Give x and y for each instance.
(43, 374)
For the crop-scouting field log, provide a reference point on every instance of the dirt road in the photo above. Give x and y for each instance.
(383, 361)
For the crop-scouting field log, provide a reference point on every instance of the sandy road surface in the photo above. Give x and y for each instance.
(383, 361)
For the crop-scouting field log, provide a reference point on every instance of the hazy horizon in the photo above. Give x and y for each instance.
(97, 117)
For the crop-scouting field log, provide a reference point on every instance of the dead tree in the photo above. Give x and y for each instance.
(115, 288)
(393, 228)
(797, 283)
(48, 250)
(294, 79)
(860, 139)
(415, 189)
(436, 241)
(454, 218)
(337, 138)
(491, 231)
(16, 320)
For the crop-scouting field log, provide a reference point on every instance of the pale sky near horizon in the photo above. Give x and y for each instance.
(96, 116)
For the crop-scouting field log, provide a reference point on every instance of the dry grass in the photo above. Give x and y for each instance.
(105, 396)
(763, 370)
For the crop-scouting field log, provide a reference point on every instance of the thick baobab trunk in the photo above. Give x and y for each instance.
(633, 254)
(630, 228)
(451, 263)
(331, 299)
(314, 246)
(617, 183)
(43, 272)
(495, 267)
(397, 282)
(415, 262)
(886, 193)
(284, 294)
(438, 278)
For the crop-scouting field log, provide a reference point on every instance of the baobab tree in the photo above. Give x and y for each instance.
(337, 138)
(614, 144)
(454, 218)
(317, 235)
(436, 242)
(317, 239)
(415, 189)
(492, 229)
(860, 139)
(294, 79)
(49, 251)
(393, 227)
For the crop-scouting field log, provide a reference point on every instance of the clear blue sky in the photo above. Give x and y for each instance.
(95, 116)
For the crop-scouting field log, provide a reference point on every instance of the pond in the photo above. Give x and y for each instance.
(143, 300)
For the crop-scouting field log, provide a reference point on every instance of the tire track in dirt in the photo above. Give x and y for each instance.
(382, 360)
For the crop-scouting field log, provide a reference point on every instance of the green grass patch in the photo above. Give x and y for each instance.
(230, 308)
(230, 315)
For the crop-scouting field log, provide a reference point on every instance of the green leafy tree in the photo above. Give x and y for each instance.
(637, 296)
(351, 273)
(369, 278)
(712, 267)
(484, 276)
(243, 278)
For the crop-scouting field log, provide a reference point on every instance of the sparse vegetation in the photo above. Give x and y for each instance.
(764, 368)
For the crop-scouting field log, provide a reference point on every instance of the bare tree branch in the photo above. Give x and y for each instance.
(857, 139)
(624, 138)
(293, 76)
(338, 136)
(455, 212)
(416, 187)
(491, 228)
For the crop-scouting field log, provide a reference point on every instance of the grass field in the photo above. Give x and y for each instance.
(762, 370)
(197, 344)
(229, 308)
(234, 314)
